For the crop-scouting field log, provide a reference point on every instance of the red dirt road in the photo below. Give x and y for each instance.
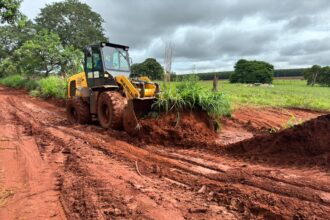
(52, 170)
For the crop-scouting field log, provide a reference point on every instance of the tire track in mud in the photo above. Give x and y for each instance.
(237, 178)
(232, 188)
(213, 173)
(30, 177)
(47, 133)
(86, 207)
(225, 162)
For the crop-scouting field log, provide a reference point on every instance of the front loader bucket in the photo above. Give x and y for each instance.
(135, 109)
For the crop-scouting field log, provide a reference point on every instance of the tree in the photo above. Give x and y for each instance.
(324, 79)
(252, 72)
(73, 21)
(13, 36)
(318, 75)
(8, 67)
(44, 54)
(150, 67)
(71, 61)
(312, 75)
(9, 10)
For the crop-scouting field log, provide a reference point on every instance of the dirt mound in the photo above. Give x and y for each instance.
(184, 129)
(308, 142)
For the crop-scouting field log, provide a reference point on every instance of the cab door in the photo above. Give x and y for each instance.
(94, 68)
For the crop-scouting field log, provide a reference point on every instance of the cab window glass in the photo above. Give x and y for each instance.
(89, 64)
(97, 63)
(115, 61)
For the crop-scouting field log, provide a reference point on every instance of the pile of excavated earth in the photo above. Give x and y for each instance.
(306, 143)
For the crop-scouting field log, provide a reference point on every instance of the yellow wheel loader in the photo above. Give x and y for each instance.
(105, 91)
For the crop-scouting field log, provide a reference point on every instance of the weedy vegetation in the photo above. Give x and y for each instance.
(292, 122)
(52, 86)
(189, 94)
(14, 81)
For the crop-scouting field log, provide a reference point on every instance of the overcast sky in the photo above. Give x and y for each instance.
(213, 34)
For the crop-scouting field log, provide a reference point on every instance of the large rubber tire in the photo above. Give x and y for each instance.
(110, 110)
(78, 111)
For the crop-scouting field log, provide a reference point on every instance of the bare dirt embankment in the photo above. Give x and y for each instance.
(52, 169)
(307, 143)
(185, 129)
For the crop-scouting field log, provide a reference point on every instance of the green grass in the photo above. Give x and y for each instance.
(285, 93)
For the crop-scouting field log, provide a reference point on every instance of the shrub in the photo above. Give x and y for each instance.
(189, 94)
(35, 93)
(15, 81)
(53, 86)
(252, 72)
(31, 84)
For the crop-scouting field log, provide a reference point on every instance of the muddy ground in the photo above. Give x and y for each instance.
(50, 169)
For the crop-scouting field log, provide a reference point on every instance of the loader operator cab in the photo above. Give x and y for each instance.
(105, 61)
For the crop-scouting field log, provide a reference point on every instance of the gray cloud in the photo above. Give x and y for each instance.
(299, 22)
(138, 22)
(313, 46)
(310, 59)
(213, 34)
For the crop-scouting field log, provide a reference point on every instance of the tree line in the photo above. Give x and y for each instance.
(225, 75)
(262, 72)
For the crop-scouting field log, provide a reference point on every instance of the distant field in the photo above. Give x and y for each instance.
(285, 93)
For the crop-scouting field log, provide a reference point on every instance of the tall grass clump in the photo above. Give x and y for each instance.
(31, 84)
(14, 81)
(190, 94)
(53, 86)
